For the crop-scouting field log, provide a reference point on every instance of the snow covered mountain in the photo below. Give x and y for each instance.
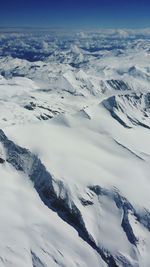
(75, 149)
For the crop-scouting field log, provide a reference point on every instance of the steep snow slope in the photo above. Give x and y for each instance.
(75, 153)
(130, 109)
(33, 235)
(99, 169)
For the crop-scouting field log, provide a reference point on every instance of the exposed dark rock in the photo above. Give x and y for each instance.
(86, 202)
(30, 106)
(118, 85)
(2, 160)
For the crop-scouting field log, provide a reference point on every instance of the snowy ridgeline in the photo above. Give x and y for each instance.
(75, 150)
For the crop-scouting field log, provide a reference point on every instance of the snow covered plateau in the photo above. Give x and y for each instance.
(75, 148)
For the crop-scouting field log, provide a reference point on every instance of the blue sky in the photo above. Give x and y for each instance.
(79, 13)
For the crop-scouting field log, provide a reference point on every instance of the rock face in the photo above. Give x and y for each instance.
(130, 109)
(2, 155)
(2, 160)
